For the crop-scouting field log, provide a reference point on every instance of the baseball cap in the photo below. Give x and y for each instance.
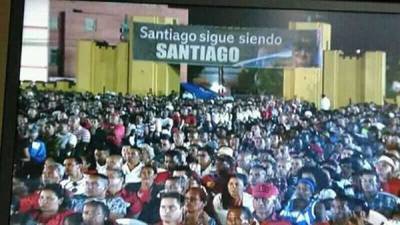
(264, 191)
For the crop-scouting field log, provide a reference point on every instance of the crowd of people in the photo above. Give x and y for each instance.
(101, 159)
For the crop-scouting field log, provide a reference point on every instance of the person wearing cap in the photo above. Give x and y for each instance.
(302, 209)
(385, 167)
(257, 175)
(382, 202)
(266, 203)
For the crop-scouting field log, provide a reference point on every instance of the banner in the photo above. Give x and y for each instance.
(226, 46)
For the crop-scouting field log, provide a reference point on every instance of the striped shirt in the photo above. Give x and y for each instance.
(296, 217)
(82, 134)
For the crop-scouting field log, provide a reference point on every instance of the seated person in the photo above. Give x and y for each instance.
(239, 216)
(171, 209)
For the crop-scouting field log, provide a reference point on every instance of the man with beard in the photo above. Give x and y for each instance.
(101, 153)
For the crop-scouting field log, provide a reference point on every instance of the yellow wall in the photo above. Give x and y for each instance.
(375, 77)
(112, 69)
(122, 63)
(84, 66)
(361, 79)
(146, 76)
(306, 83)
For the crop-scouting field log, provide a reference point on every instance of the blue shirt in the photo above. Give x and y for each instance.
(37, 151)
(384, 203)
(295, 217)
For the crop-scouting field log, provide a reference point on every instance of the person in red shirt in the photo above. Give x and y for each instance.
(385, 168)
(144, 196)
(51, 206)
(52, 174)
(172, 159)
(115, 130)
(265, 203)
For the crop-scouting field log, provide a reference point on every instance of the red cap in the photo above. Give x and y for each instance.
(265, 191)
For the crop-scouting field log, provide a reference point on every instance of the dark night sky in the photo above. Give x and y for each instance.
(350, 31)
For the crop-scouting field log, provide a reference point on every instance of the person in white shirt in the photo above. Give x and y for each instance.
(133, 166)
(325, 103)
(80, 132)
(75, 182)
(204, 156)
(233, 196)
(101, 154)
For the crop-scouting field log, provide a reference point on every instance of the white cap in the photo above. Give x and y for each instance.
(73, 140)
(225, 151)
(388, 160)
(308, 114)
(327, 194)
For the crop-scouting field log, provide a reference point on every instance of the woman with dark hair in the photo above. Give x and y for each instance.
(231, 197)
(195, 201)
(52, 206)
